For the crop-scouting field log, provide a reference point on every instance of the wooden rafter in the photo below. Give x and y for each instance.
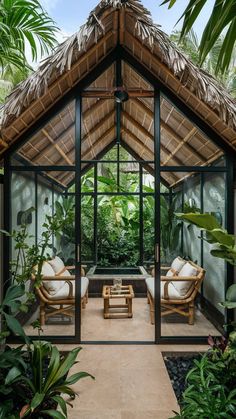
(56, 146)
(109, 94)
(48, 148)
(149, 135)
(181, 144)
(99, 124)
(98, 141)
(170, 130)
(138, 141)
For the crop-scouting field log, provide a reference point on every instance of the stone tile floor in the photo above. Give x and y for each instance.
(131, 382)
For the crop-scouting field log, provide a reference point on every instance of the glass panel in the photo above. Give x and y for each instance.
(138, 127)
(87, 181)
(148, 230)
(54, 144)
(129, 177)
(182, 143)
(118, 230)
(148, 182)
(183, 241)
(107, 177)
(87, 229)
(98, 127)
(38, 201)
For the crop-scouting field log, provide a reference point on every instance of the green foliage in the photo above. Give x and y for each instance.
(170, 228)
(65, 235)
(211, 389)
(21, 22)
(222, 19)
(223, 245)
(25, 371)
(55, 383)
(189, 44)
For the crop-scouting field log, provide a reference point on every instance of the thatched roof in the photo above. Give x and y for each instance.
(80, 53)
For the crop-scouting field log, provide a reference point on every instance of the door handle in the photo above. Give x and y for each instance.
(157, 253)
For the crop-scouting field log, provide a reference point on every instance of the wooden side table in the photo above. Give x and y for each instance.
(113, 311)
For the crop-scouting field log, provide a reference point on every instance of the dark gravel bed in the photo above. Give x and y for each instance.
(178, 366)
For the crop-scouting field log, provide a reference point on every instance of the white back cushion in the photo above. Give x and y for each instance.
(64, 291)
(57, 264)
(183, 286)
(52, 287)
(178, 263)
(171, 272)
(172, 292)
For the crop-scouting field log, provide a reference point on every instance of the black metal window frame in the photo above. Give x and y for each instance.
(119, 53)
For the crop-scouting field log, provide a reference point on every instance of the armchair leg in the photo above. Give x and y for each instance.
(83, 302)
(191, 313)
(42, 314)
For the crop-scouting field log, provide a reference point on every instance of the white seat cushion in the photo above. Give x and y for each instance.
(64, 291)
(183, 286)
(57, 264)
(178, 264)
(172, 292)
(52, 287)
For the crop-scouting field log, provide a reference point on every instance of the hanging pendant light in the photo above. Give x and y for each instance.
(121, 95)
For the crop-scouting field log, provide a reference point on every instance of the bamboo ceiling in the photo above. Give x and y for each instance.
(181, 142)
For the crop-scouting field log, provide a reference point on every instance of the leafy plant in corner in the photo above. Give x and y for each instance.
(46, 391)
(211, 389)
(223, 246)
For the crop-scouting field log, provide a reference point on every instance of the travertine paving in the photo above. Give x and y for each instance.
(131, 382)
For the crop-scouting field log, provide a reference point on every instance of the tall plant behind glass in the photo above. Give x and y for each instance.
(170, 229)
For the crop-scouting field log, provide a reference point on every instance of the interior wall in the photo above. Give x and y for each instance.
(192, 198)
(214, 201)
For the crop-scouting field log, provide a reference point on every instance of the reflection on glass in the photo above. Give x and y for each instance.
(37, 204)
(148, 229)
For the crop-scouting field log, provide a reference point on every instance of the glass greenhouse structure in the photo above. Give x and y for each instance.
(113, 139)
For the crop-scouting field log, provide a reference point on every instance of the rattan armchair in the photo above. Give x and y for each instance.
(62, 302)
(183, 305)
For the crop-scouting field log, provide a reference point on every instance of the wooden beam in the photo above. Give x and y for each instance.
(60, 151)
(46, 149)
(99, 125)
(170, 130)
(109, 94)
(181, 144)
(149, 135)
(94, 108)
(137, 140)
(109, 131)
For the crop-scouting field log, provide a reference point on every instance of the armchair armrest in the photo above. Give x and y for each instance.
(58, 278)
(179, 278)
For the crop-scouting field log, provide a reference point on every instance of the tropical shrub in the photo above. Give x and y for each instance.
(211, 389)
